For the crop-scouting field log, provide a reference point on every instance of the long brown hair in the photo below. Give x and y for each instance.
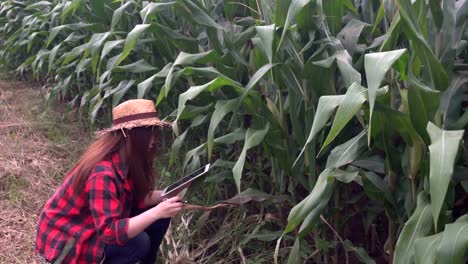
(138, 156)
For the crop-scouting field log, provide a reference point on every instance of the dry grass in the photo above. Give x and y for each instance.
(38, 145)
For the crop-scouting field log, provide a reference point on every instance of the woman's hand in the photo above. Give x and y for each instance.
(168, 208)
(153, 198)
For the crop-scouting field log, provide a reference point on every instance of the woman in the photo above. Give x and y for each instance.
(91, 217)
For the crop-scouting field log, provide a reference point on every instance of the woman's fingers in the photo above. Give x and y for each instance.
(174, 199)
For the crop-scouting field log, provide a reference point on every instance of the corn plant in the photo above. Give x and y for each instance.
(353, 109)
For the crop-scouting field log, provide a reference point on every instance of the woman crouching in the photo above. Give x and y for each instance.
(97, 214)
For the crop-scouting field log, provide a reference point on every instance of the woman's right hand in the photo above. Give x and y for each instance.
(168, 208)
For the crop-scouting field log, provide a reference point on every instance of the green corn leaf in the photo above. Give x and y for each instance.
(380, 15)
(184, 59)
(281, 9)
(350, 6)
(196, 90)
(294, 8)
(252, 138)
(318, 197)
(344, 63)
(425, 249)
(392, 34)
(350, 35)
(376, 66)
(40, 4)
(75, 52)
(74, 37)
(352, 102)
(131, 40)
(95, 41)
(109, 46)
(267, 35)
(419, 225)
(98, 8)
(347, 152)
(295, 254)
(443, 151)
(256, 77)
(237, 135)
(71, 9)
(359, 252)
(400, 122)
(311, 219)
(191, 111)
(153, 8)
(176, 147)
(53, 54)
(437, 13)
(414, 33)
(199, 15)
(137, 67)
(228, 139)
(333, 11)
(144, 86)
(94, 46)
(120, 91)
(423, 103)
(112, 62)
(94, 105)
(33, 36)
(325, 108)
(56, 30)
(376, 188)
(454, 243)
(222, 108)
(118, 13)
(82, 66)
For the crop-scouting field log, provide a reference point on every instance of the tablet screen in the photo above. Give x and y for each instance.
(187, 178)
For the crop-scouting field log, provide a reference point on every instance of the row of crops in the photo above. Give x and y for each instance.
(354, 110)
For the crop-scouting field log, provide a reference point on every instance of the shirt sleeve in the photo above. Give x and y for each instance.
(106, 209)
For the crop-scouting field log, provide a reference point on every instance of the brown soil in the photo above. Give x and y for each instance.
(37, 146)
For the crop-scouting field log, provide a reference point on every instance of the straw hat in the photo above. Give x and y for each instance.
(134, 113)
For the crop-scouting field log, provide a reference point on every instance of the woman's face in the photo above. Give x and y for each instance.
(153, 145)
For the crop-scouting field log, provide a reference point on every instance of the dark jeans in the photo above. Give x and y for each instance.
(144, 247)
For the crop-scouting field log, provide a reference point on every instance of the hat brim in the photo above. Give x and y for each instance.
(148, 122)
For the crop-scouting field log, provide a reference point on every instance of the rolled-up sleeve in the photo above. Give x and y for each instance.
(107, 209)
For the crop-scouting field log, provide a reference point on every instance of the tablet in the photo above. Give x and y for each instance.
(183, 183)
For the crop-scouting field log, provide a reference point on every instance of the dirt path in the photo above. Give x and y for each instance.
(37, 146)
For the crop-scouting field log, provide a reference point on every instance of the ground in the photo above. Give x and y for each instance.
(37, 146)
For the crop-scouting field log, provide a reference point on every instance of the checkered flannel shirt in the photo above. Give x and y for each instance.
(94, 216)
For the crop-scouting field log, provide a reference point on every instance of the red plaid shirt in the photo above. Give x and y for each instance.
(94, 216)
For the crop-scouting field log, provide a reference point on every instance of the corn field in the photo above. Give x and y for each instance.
(347, 117)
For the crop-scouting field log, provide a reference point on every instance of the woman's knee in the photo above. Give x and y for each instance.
(142, 245)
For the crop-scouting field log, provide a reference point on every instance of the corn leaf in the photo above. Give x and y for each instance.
(118, 13)
(443, 151)
(131, 40)
(418, 225)
(222, 108)
(153, 8)
(414, 33)
(252, 138)
(137, 67)
(454, 243)
(347, 152)
(376, 66)
(425, 249)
